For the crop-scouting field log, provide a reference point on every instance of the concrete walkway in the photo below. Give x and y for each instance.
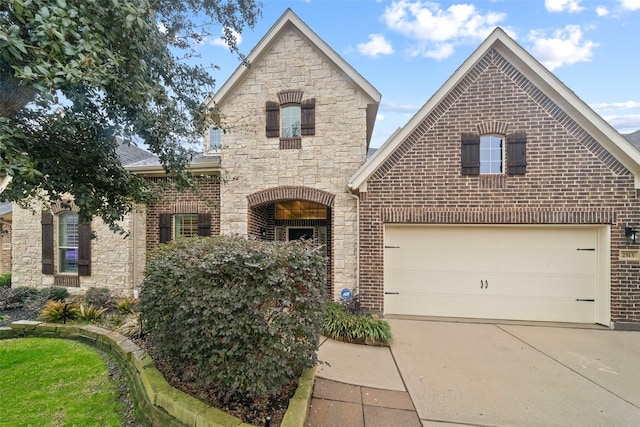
(439, 373)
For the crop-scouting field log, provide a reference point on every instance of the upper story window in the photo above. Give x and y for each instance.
(290, 118)
(215, 138)
(291, 121)
(494, 154)
(491, 154)
(68, 238)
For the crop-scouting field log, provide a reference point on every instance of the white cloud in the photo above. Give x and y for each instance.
(435, 31)
(377, 45)
(220, 41)
(379, 117)
(565, 46)
(399, 108)
(627, 105)
(602, 11)
(630, 4)
(571, 6)
(624, 123)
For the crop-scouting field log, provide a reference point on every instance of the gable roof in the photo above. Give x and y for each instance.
(634, 138)
(544, 80)
(291, 20)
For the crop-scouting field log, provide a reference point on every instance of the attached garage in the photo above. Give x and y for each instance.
(541, 273)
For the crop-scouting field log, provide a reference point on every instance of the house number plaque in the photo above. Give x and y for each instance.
(630, 255)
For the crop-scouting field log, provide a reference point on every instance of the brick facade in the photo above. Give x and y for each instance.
(174, 201)
(570, 178)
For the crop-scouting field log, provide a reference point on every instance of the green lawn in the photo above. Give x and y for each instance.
(55, 382)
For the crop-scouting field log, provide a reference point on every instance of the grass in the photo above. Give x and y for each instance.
(54, 382)
(341, 323)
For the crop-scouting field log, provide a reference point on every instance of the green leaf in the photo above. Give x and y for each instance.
(62, 4)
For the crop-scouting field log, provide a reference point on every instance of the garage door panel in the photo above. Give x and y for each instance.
(526, 273)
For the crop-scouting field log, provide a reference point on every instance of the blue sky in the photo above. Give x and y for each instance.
(407, 49)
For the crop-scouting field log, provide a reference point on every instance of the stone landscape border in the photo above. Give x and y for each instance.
(156, 400)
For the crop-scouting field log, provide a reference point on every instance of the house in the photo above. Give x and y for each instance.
(297, 125)
(504, 197)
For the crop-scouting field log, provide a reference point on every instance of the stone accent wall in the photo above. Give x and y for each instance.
(117, 262)
(570, 178)
(324, 161)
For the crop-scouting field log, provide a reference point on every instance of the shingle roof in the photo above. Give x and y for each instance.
(634, 138)
(130, 154)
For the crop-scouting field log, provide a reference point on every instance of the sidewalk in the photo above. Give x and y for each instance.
(359, 386)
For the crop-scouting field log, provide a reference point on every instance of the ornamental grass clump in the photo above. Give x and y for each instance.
(347, 325)
(243, 316)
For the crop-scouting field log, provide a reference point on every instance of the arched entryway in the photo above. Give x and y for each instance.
(291, 213)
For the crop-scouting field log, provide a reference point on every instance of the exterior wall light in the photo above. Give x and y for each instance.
(630, 234)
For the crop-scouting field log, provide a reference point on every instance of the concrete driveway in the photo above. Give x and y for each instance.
(515, 375)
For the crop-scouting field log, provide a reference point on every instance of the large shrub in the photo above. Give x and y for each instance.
(242, 315)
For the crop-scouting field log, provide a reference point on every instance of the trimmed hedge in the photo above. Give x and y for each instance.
(243, 315)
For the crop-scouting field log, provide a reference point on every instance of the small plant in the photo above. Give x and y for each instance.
(5, 280)
(98, 297)
(126, 305)
(131, 326)
(341, 323)
(59, 311)
(57, 293)
(90, 313)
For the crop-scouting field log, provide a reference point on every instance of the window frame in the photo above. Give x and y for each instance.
(64, 245)
(489, 139)
(215, 147)
(177, 225)
(287, 121)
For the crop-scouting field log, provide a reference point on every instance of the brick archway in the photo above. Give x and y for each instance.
(277, 194)
(263, 225)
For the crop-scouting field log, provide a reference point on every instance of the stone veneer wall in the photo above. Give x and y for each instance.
(117, 262)
(325, 160)
(570, 178)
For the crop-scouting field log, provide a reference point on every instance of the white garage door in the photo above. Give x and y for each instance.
(492, 272)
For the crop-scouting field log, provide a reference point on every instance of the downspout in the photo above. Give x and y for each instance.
(349, 192)
(134, 239)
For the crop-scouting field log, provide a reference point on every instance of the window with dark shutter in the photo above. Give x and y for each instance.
(470, 154)
(47, 242)
(273, 119)
(308, 117)
(517, 153)
(204, 224)
(84, 249)
(165, 228)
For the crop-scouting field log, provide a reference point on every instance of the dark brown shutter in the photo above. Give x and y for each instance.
(517, 153)
(204, 224)
(47, 242)
(273, 119)
(165, 228)
(84, 249)
(308, 112)
(470, 154)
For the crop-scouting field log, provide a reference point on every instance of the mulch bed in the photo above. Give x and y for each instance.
(253, 411)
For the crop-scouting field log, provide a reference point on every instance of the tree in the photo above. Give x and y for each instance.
(76, 74)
